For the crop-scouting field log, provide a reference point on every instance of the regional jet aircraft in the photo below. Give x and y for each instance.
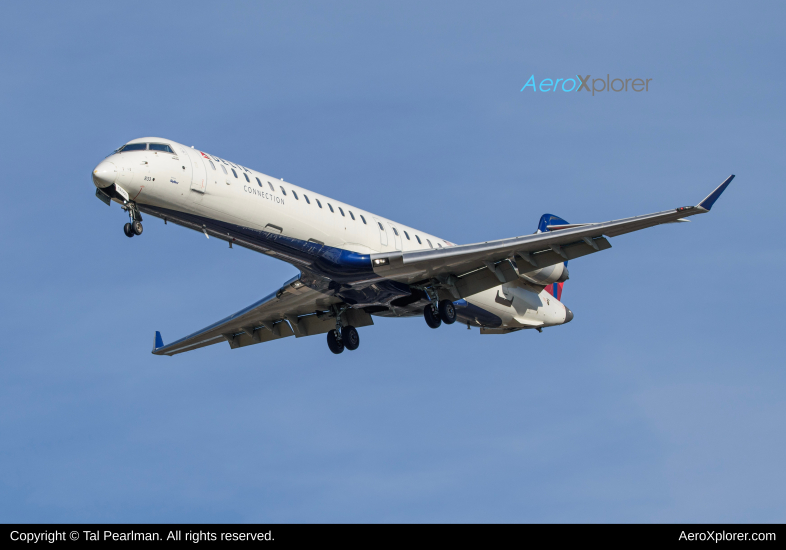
(353, 264)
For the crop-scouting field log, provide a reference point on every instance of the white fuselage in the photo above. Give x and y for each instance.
(207, 186)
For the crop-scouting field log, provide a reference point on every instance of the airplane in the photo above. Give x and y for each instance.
(354, 265)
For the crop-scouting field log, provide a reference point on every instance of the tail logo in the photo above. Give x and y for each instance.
(555, 289)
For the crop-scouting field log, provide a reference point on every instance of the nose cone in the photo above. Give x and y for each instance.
(568, 315)
(105, 174)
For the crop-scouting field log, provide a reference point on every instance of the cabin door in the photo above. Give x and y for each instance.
(383, 234)
(198, 171)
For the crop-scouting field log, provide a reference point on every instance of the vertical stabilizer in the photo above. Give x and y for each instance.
(555, 289)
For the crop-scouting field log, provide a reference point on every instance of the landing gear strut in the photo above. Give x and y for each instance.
(343, 336)
(134, 227)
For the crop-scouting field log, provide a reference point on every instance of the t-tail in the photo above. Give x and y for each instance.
(550, 222)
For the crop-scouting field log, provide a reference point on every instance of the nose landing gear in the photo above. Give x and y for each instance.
(134, 227)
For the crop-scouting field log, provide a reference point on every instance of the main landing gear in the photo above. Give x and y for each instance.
(134, 227)
(342, 337)
(438, 311)
(131, 229)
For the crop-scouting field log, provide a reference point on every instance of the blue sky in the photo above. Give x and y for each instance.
(663, 400)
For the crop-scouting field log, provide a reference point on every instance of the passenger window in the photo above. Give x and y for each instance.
(224, 169)
(418, 238)
(282, 190)
(134, 147)
(271, 186)
(295, 194)
(395, 232)
(331, 208)
(160, 147)
(429, 244)
(380, 226)
(364, 219)
(246, 176)
(439, 245)
(351, 215)
(258, 182)
(233, 171)
(318, 203)
(306, 197)
(342, 212)
(406, 235)
(213, 166)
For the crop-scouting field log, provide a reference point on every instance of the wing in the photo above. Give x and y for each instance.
(293, 310)
(468, 269)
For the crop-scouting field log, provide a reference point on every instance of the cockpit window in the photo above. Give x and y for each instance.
(133, 147)
(161, 147)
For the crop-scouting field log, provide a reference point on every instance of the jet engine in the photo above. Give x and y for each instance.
(556, 273)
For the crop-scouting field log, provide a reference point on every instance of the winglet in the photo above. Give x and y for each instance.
(707, 203)
(159, 341)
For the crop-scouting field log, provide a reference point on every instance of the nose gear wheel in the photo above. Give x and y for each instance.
(134, 227)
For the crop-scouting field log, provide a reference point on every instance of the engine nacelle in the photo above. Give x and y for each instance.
(556, 273)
